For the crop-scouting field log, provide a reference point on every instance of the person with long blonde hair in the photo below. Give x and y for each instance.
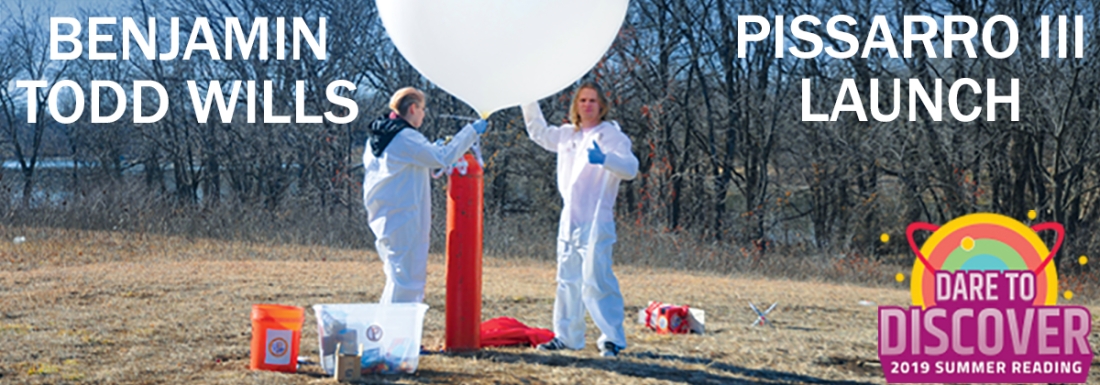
(594, 155)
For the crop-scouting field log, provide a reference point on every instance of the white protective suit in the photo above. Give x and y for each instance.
(396, 191)
(586, 232)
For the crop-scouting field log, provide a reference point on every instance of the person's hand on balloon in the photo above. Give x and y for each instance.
(480, 125)
(595, 156)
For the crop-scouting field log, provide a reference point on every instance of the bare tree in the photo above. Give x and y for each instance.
(29, 58)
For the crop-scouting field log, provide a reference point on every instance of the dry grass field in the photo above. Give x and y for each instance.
(115, 307)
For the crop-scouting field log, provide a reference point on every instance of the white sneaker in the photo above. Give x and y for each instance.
(609, 349)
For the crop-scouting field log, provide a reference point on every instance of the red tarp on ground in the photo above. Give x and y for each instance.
(504, 331)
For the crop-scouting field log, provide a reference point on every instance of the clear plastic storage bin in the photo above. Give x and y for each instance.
(386, 336)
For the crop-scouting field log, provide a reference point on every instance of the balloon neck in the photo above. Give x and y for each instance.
(485, 114)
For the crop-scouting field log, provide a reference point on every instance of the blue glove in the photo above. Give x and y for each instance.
(595, 156)
(480, 126)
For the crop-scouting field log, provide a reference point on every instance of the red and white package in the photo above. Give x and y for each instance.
(671, 319)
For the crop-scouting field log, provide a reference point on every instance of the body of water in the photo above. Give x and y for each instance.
(50, 164)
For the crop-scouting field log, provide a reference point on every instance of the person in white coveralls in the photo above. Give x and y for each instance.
(593, 157)
(397, 163)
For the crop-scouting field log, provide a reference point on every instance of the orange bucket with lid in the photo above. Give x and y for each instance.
(276, 332)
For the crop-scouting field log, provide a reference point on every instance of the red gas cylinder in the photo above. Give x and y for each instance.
(464, 239)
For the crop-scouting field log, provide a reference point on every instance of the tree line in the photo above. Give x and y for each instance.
(724, 154)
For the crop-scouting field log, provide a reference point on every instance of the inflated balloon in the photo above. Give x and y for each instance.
(494, 54)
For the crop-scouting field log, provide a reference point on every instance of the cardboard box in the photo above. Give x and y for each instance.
(348, 367)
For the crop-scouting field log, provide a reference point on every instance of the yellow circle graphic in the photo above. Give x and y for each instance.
(967, 244)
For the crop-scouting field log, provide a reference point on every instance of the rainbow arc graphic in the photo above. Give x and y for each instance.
(984, 241)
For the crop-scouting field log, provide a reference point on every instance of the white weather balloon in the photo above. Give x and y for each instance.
(494, 54)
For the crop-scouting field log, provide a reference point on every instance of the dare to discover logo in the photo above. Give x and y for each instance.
(984, 309)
